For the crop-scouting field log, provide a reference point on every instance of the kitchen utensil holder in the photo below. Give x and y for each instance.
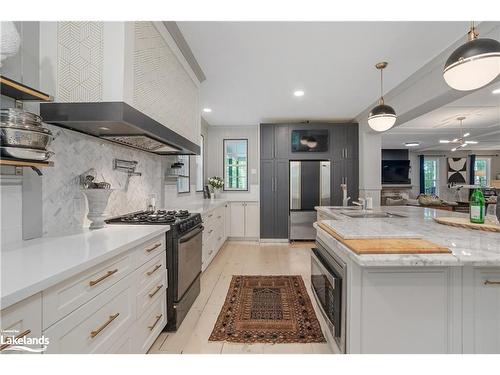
(98, 201)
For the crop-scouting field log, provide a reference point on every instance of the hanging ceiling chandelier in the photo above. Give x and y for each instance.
(382, 117)
(460, 141)
(473, 64)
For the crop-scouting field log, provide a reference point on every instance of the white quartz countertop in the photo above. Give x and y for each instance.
(202, 206)
(469, 247)
(34, 265)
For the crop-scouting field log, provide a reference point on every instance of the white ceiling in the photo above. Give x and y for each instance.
(252, 68)
(481, 109)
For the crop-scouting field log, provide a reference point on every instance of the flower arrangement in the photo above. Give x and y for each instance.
(216, 182)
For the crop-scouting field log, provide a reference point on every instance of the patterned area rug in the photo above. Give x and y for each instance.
(267, 309)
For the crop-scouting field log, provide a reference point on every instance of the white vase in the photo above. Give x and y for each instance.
(98, 201)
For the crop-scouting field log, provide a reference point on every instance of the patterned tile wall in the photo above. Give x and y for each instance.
(64, 205)
(80, 61)
(162, 88)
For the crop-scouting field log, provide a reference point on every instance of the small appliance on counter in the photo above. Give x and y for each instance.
(23, 136)
(183, 257)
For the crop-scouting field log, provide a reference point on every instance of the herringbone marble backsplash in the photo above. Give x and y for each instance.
(65, 206)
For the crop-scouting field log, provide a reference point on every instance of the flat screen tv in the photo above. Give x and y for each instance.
(396, 172)
(310, 140)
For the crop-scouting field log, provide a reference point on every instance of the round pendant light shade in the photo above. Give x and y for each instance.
(382, 118)
(473, 64)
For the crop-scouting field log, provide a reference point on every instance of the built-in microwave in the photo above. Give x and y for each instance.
(328, 281)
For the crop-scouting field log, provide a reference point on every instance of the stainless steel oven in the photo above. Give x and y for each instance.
(328, 281)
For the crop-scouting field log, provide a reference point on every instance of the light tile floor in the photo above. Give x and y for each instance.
(238, 258)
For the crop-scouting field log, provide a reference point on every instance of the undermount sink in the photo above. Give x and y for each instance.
(370, 215)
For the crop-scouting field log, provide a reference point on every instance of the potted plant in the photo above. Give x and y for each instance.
(216, 183)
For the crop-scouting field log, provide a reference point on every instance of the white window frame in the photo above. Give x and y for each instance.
(436, 179)
(226, 184)
(488, 169)
(199, 161)
(184, 174)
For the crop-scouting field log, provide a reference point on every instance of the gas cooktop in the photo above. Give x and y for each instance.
(161, 217)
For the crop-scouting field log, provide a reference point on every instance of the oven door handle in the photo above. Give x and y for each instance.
(194, 234)
(325, 271)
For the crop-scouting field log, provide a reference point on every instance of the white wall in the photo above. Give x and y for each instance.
(216, 135)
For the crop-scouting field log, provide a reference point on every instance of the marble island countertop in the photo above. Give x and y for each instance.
(29, 267)
(469, 247)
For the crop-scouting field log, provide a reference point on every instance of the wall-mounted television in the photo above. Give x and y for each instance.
(310, 140)
(396, 172)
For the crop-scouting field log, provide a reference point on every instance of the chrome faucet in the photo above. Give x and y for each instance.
(345, 198)
(361, 202)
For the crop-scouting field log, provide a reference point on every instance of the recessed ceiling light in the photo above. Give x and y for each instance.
(496, 91)
(444, 141)
(298, 93)
(207, 110)
(103, 128)
(412, 144)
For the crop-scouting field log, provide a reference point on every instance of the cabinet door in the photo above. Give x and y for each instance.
(337, 178)
(252, 219)
(23, 319)
(486, 311)
(227, 221)
(338, 141)
(282, 142)
(267, 204)
(267, 141)
(237, 219)
(352, 178)
(352, 141)
(281, 199)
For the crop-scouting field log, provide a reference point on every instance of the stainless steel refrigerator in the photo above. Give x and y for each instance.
(309, 187)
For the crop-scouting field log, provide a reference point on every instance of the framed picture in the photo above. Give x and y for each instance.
(457, 170)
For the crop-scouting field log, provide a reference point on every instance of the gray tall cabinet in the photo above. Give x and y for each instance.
(275, 155)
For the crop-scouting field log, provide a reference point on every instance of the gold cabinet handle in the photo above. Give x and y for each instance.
(157, 289)
(156, 245)
(21, 335)
(99, 330)
(489, 282)
(149, 273)
(105, 276)
(158, 317)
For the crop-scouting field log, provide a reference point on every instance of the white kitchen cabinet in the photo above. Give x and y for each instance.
(227, 218)
(24, 319)
(214, 234)
(97, 325)
(245, 220)
(252, 219)
(237, 219)
(485, 311)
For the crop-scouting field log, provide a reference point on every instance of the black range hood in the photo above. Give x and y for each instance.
(120, 123)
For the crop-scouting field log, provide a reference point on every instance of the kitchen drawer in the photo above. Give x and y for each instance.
(149, 271)
(150, 325)
(97, 325)
(151, 291)
(23, 319)
(124, 345)
(150, 249)
(67, 296)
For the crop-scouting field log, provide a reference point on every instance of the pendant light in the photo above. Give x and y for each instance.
(382, 117)
(473, 64)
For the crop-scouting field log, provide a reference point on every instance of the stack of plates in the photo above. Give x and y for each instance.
(23, 136)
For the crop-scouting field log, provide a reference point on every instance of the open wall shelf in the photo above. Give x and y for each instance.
(21, 92)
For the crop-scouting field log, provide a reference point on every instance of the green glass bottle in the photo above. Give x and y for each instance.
(477, 207)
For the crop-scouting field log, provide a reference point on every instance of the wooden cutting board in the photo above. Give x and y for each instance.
(388, 245)
(463, 222)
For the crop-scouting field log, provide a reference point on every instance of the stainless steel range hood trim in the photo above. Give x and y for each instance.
(120, 119)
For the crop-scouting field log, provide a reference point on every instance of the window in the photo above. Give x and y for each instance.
(431, 176)
(482, 171)
(183, 178)
(235, 164)
(199, 167)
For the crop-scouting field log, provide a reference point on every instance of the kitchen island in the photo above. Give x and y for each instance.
(411, 303)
